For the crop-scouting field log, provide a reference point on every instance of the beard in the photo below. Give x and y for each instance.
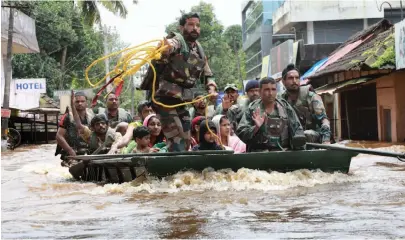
(293, 88)
(191, 36)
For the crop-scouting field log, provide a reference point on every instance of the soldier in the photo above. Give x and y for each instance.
(68, 143)
(182, 65)
(308, 105)
(114, 113)
(253, 93)
(270, 123)
(99, 136)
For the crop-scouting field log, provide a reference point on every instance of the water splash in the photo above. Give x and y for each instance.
(225, 180)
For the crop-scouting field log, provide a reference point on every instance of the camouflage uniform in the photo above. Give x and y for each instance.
(177, 73)
(122, 116)
(275, 133)
(75, 142)
(95, 143)
(311, 112)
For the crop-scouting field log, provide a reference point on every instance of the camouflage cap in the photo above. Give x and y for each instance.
(231, 86)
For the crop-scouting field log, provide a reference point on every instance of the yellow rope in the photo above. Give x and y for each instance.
(144, 54)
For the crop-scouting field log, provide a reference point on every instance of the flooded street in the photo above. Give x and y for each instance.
(40, 200)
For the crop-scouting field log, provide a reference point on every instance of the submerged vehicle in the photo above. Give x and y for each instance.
(127, 167)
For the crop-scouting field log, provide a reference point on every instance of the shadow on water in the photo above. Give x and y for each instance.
(183, 223)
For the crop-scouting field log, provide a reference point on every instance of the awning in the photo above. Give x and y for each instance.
(335, 87)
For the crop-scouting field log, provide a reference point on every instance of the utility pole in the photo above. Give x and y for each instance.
(107, 60)
(238, 61)
(8, 72)
(133, 95)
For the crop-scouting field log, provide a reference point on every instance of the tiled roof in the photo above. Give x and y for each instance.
(376, 52)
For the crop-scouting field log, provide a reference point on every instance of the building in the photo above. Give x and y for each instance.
(363, 88)
(331, 21)
(257, 33)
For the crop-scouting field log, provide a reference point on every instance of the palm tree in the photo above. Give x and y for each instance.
(91, 13)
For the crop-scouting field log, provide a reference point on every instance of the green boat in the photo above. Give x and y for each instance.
(127, 167)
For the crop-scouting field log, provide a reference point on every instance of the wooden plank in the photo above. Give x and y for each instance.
(364, 73)
(356, 74)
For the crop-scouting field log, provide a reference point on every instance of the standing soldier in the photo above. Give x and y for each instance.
(270, 123)
(308, 105)
(182, 65)
(68, 142)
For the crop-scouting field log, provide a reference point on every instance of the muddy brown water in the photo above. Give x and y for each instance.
(40, 200)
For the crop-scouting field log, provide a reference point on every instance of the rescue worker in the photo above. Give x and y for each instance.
(252, 92)
(68, 143)
(182, 65)
(269, 123)
(114, 113)
(99, 136)
(230, 106)
(308, 105)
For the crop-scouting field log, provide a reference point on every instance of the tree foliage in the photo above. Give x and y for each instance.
(60, 25)
(218, 44)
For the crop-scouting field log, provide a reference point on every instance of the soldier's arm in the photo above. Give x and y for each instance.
(60, 136)
(319, 113)
(173, 44)
(246, 128)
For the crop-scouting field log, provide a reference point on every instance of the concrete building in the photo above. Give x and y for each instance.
(257, 33)
(331, 21)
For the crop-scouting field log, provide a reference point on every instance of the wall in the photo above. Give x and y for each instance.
(390, 95)
(336, 31)
(400, 100)
(293, 11)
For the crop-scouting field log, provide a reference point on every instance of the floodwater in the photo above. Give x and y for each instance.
(40, 200)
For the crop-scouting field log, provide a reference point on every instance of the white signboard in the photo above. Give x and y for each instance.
(400, 44)
(33, 85)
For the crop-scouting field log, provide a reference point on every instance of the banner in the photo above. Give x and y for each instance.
(265, 66)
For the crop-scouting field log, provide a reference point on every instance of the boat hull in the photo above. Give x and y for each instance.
(108, 168)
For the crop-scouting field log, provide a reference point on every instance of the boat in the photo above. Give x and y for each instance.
(127, 167)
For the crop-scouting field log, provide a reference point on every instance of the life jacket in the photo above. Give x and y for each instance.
(177, 74)
(109, 140)
(122, 116)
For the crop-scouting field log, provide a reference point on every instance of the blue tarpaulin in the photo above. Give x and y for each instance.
(313, 69)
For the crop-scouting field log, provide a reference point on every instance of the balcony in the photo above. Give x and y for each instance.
(292, 12)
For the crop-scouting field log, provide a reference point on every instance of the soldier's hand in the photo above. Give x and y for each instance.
(226, 102)
(258, 118)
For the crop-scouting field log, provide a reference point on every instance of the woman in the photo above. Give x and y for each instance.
(223, 127)
(207, 139)
(157, 139)
(195, 129)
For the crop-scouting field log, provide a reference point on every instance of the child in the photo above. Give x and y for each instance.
(142, 138)
(207, 139)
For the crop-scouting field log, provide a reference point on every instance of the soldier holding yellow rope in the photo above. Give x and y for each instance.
(179, 69)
